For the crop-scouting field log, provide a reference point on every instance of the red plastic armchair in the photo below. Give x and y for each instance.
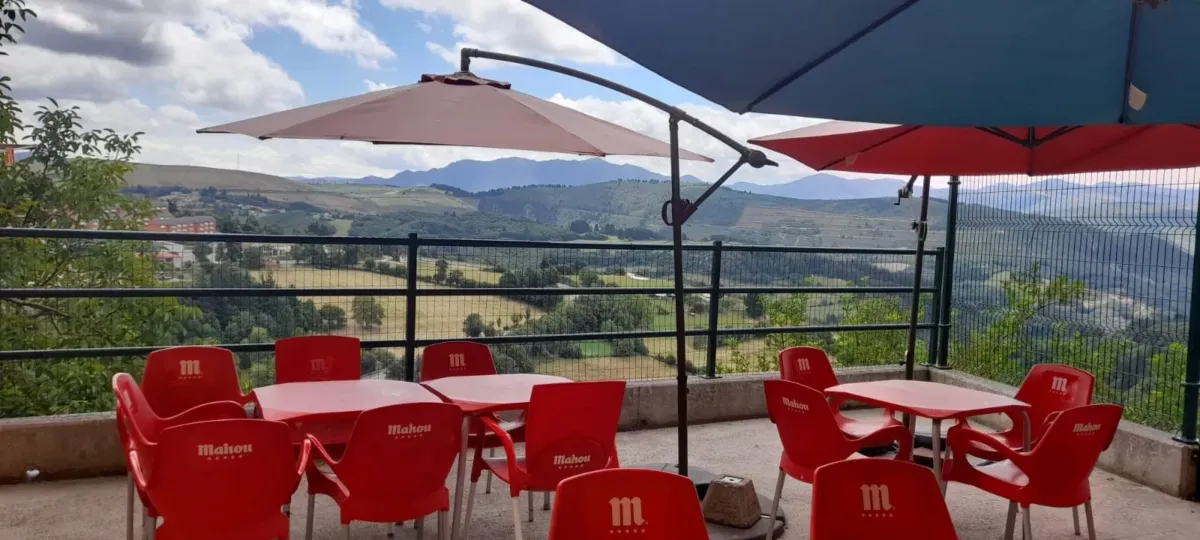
(1049, 389)
(318, 358)
(463, 358)
(571, 429)
(878, 498)
(1054, 473)
(641, 502)
(179, 378)
(811, 367)
(139, 427)
(812, 438)
(394, 467)
(223, 479)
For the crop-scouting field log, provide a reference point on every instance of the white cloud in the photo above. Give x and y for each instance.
(511, 26)
(424, 27)
(373, 86)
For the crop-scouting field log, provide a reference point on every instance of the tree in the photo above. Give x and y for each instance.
(71, 177)
(754, 306)
(589, 278)
(473, 325)
(439, 271)
(367, 312)
(202, 250)
(580, 226)
(253, 258)
(332, 317)
(455, 278)
(321, 228)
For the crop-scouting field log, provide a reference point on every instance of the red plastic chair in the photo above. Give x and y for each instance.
(318, 358)
(811, 367)
(1054, 473)
(463, 358)
(812, 438)
(878, 498)
(223, 479)
(179, 378)
(139, 427)
(571, 429)
(640, 502)
(1049, 389)
(394, 467)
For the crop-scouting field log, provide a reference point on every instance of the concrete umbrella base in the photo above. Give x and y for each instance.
(702, 478)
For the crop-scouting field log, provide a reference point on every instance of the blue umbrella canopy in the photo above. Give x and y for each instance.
(929, 62)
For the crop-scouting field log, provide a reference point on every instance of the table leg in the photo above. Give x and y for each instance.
(1027, 432)
(460, 481)
(936, 433)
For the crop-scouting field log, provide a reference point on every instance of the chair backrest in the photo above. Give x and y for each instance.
(400, 452)
(878, 498)
(456, 358)
(318, 358)
(570, 428)
(806, 424)
(241, 471)
(638, 503)
(1065, 456)
(179, 378)
(809, 366)
(133, 411)
(1050, 388)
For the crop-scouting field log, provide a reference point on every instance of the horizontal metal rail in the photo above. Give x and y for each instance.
(204, 292)
(105, 352)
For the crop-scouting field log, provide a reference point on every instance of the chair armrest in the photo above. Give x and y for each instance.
(898, 434)
(960, 438)
(217, 410)
(313, 445)
(135, 468)
(510, 450)
(306, 448)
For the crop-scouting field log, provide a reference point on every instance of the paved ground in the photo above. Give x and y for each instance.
(93, 509)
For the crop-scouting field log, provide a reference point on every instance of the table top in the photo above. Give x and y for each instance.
(927, 399)
(298, 401)
(490, 393)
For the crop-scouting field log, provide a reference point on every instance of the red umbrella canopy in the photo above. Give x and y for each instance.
(455, 110)
(892, 149)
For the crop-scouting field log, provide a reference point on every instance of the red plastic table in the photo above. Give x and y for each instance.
(934, 401)
(328, 409)
(483, 394)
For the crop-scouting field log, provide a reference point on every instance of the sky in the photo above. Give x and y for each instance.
(169, 67)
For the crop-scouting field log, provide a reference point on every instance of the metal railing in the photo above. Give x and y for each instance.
(490, 278)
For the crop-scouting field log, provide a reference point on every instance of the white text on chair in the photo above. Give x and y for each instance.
(795, 405)
(458, 361)
(319, 365)
(569, 461)
(1086, 428)
(1058, 385)
(408, 430)
(189, 369)
(875, 498)
(224, 450)
(626, 512)
(802, 364)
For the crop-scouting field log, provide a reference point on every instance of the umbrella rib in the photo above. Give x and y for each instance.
(1130, 52)
(791, 77)
(871, 147)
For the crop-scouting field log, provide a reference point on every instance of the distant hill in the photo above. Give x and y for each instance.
(474, 176)
(825, 186)
(276, 188)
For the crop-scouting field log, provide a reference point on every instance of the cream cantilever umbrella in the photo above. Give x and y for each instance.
(455, 110)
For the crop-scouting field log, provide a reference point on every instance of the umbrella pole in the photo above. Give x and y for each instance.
(922, 228)
(678, 206)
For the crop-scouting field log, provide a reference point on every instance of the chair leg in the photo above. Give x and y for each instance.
(308, 520)
(487, 487)
(529, 496)
(442, 532)
(420, 526)
(1011, 522)
(516, 509)
(1026, 523)
(1075, 518)
(129, 508)
(775, 504)
(1087, 512)
(470, 506)
(546, 501)
(346, 531)
(148, 524)
(391, 530)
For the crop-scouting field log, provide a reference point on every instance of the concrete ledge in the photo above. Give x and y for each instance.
(1145, 455)
(67, 446)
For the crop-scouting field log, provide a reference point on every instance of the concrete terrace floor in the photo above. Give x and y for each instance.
(94, 508)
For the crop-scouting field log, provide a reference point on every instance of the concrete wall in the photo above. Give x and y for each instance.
(1145, 455)
(67, 446)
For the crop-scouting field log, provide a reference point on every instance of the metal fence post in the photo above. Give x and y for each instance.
(943, 348)
(1191, 382)
(935, 304)
(410, 311)
(714, 311)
